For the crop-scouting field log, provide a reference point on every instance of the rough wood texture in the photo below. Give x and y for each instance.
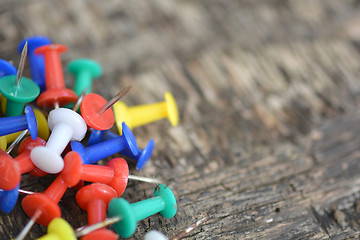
(268, 93)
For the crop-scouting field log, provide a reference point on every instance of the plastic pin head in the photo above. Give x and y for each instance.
(163, 202)
(144, 114)
(54, 77)
(85, 71)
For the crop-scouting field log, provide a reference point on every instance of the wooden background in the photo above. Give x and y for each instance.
(268, 93)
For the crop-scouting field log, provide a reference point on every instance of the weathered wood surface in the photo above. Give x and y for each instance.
(268, 93)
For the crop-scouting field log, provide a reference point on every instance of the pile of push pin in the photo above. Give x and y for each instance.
(62, 152)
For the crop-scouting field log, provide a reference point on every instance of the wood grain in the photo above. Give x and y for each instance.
(268, 94)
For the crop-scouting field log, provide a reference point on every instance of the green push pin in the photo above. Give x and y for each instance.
(18, 90)
(163, 202)
(85, 71)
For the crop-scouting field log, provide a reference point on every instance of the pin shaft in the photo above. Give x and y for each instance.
(82, 231)
(21, 64)
(17, 140)
(114, 100)
(25, 191)
(145, 179)
(79, 100)
(28, 226)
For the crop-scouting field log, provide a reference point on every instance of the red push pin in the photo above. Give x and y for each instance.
(55, 94)
(97, 113)
(11, 169)
(114, 174)
(43, 207)
(95, 199)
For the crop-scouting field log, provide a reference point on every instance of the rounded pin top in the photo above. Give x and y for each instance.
(61, 229)
(83, 64)
(31, 122)
(155, 235)
(8, 199)
(72, 165)
(90, 107)
(170, 201)
(145, 155)
(94, 191)
(130, 139)
(51, 47)
(6, 68)
(26, 92)
(38, 201)
(172, 108)
(71, 118)
(121, 115)
(43, 127)
(121, 173)
(9, 172)
(120, 207)
(33, 43)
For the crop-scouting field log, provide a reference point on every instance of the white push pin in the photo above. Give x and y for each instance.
(156, 235)
(66, 125)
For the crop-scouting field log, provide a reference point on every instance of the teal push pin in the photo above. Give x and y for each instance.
(163, 202)
(18, 90)
(85, 71)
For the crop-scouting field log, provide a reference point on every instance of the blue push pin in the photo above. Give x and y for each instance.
(6, 68)
(8, 199)
(99, 151)
(37, 64)
(96, 136)
(14, 124)
(143, 154)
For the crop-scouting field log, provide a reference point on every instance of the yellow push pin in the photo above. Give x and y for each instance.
(59, 229)
(144, 114)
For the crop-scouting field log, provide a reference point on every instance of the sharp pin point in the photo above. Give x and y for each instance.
(121, 94)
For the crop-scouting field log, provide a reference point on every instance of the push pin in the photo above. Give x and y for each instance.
(15, 138)
(97, 152)
(97, 113)
(59, 229)
(156, 235)
(66, 125)
(94, 199)
(55, 94)
(144, 114)
(11, 169)
(124, 216)
(43, 207)
(18, 90)
(8, 199)
(141, 158)
(37, 65)
(85, 71)
(163, 202)
(115, 173)
(6, 68)
(15, 124)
